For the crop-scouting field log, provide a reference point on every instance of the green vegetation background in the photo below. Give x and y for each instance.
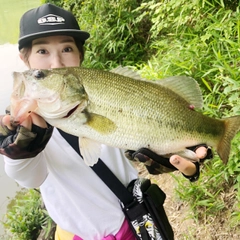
(162, 38)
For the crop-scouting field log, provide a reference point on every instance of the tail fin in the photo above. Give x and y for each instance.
(232, 126)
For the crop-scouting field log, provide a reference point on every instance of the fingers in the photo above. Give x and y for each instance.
(33, 118)
(201, 152)
(186, 166)
(37, 120)
(27, 123)
(183, 165)
(7, 121)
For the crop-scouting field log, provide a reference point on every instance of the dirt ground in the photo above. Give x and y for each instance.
(180, 215)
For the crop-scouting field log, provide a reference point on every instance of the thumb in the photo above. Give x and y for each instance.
(184, 166)
(7, 121)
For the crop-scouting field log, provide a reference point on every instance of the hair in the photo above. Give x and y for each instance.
(26, 50)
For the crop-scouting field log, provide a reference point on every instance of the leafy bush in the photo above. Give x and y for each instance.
(25, 216)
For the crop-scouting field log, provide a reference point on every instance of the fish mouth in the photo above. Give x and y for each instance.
(71, 111)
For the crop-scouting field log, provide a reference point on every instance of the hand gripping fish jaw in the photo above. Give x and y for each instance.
(21, 109)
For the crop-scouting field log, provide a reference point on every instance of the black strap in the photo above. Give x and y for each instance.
(72, 140)
(103, 172)
(117, 188)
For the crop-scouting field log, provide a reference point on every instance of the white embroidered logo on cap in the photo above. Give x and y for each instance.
(51, 19)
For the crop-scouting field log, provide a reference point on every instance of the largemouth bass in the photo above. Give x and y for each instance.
(122, 110)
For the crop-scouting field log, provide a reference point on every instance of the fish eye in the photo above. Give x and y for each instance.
(38, 74)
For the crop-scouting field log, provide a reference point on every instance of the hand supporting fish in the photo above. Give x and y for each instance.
(156, 164)
(122, 110)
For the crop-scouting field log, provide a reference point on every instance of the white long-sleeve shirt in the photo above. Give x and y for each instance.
(75, 197)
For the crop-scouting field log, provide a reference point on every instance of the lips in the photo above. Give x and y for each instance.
(71, 112)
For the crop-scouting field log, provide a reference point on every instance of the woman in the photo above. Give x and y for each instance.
(76, 199)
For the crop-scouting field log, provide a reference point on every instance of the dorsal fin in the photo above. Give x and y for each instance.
(127, 72)
(186, 87)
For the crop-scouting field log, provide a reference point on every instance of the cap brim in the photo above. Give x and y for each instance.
(78, 34)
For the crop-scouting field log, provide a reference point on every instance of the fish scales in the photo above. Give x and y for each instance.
(125, 112)
(165, 119)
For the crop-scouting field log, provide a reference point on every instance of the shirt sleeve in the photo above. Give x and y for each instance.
(29, 173)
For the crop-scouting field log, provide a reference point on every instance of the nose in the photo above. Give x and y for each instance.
(57, 61)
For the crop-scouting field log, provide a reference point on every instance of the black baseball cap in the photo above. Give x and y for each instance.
(49, 20)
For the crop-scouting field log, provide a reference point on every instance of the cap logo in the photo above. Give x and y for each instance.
(51, 19)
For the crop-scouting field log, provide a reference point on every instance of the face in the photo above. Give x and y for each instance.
(53, 52)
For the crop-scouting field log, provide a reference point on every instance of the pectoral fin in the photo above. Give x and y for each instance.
(90, 150)
(100, 124)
